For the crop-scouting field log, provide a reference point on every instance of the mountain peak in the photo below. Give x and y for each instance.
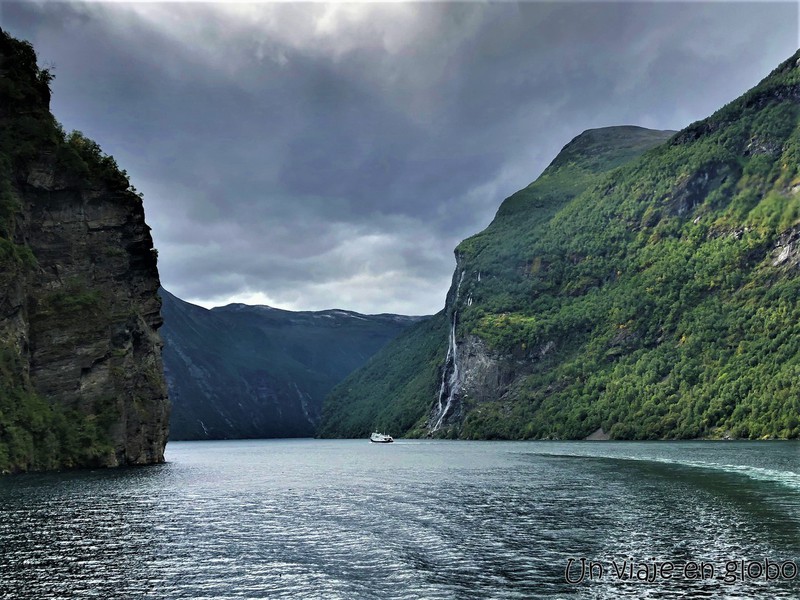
(601, 149)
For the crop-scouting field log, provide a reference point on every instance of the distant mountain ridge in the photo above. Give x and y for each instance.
(241, 371)
(645, 286)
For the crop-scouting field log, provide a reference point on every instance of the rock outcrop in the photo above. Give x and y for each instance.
(81, 377)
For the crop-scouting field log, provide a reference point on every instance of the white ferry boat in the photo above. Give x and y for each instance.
(381, 438)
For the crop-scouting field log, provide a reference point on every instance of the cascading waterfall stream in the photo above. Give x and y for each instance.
(443, 386)
(449, 385)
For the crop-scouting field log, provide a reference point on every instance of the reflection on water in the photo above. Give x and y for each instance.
(415, 519)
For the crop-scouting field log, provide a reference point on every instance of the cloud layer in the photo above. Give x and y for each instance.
(313, 156)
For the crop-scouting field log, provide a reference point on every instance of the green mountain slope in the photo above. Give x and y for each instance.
(257, 372)
(393, 389)
(656, 300)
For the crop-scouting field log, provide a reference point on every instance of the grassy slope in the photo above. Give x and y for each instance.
(657, 285)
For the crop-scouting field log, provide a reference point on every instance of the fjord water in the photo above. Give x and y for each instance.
(414, 519)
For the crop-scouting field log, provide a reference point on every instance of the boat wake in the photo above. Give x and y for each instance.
(787, 478)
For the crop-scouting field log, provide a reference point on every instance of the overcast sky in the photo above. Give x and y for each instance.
(312, 156)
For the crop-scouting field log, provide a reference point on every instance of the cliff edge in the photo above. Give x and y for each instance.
(81, 377)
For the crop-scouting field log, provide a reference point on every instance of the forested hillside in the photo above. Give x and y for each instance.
(655, 297)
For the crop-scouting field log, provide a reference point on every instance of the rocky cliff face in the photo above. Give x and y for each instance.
(81, 379)
(471, 371)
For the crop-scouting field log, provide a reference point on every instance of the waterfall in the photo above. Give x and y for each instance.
(449, 384)
(443, 386)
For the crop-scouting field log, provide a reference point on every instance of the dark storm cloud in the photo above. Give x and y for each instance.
(314, 155)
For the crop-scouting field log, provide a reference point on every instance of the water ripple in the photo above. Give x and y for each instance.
(432, 520)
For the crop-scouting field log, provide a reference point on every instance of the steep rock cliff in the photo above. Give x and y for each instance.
(81, 378)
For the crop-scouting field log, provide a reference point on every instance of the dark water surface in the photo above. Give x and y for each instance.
(414, 519)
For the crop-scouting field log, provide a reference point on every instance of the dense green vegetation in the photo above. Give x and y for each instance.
(37, 435)
(34, 432)
(656, 282)
(394, 389)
